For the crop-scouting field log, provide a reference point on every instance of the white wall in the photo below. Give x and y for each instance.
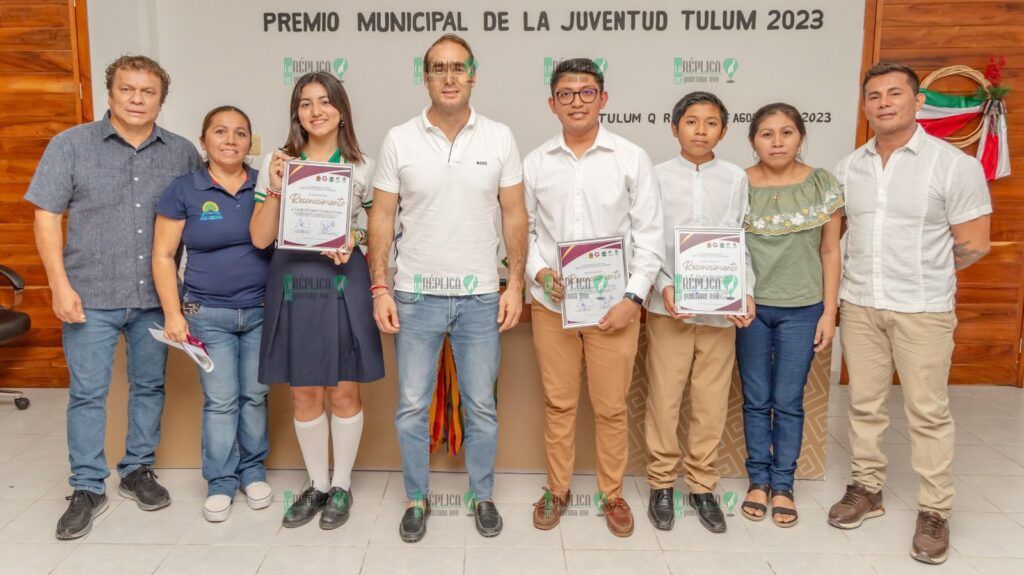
(217, 52)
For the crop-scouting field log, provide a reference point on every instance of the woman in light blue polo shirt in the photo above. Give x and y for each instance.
(222, 305)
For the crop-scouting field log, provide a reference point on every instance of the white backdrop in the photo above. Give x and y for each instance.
(237, 51)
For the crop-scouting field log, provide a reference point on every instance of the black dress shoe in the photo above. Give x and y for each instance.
(339, 502)
(708, 511)
(661, 508)
(305, 508)
(77, 520)
(141, 486)
(414, 523)
(488, 520)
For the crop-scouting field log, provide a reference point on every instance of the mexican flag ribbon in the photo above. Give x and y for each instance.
(446, 413)
(994, 146)
(945, 114)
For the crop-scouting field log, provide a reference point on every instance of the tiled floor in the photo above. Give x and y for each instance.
(988, 526)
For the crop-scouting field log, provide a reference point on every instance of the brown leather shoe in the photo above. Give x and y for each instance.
(618, 517)
(549, 509)
(931, 538)
(856, 505)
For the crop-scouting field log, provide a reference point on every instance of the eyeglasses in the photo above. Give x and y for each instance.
(587, 95)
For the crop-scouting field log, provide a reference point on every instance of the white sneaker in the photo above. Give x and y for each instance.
(259, 494)
(217, 508)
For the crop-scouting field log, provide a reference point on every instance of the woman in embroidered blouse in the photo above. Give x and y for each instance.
(793, 224)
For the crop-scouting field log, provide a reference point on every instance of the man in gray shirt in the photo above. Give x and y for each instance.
(107, 176)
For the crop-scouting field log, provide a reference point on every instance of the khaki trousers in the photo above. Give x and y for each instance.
(609, 360)
(681, 355)
(920, 347)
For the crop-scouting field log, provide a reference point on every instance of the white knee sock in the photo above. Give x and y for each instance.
(313, 444)
(346, 432)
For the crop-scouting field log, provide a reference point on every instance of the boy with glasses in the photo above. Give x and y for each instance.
(587, 183)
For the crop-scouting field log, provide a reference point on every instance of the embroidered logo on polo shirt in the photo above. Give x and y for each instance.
(211, 211)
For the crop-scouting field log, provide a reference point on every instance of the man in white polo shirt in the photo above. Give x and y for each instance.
(588, 183)
(448, 173)
(917, 211)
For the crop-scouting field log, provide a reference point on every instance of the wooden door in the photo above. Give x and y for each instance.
(44, 89)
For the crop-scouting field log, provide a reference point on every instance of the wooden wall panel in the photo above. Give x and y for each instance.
(931, 34)
(44, 77)
(35, 38)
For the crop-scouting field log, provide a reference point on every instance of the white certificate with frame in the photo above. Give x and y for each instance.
(316, 206)
(710, 271)
(594, 276)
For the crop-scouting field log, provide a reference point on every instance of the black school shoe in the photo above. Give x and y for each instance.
(661, 508)
(414, 522)
(304, 508)
(708, 511)
(488, 520)
(336, 512)
(141, 486)
(77, 520)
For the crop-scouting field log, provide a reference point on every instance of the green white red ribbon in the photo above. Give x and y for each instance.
(944, 114)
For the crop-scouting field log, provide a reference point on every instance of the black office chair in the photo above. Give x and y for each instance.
(13, 324)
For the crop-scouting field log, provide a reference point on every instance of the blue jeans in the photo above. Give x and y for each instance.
(89, 350)
(774, 356)
(235, 440)
(471, 324)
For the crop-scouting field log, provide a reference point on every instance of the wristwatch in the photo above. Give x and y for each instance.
(636, 299)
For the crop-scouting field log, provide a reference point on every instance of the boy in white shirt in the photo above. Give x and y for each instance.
(699, 351)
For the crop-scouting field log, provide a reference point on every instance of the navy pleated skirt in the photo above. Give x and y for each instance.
(318, 326)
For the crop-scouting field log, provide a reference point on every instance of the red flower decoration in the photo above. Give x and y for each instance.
(994, 70)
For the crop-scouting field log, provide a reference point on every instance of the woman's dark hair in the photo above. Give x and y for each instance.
(777, 108)
(297, 136)
(694, 98)
(208, 119)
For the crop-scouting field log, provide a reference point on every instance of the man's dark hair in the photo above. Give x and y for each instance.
(883, 68)
(694, 98)
(577, 66)
(132, 63)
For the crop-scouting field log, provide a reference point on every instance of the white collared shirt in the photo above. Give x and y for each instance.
(609, 191)
(448, 202)
(713, 195)
(899, 245)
